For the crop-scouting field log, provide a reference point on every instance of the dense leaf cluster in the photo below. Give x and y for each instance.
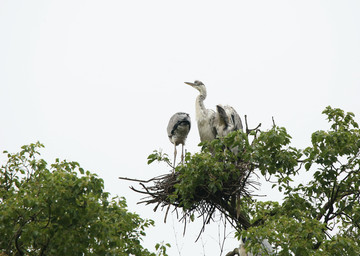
(62, 210)
(320, 217)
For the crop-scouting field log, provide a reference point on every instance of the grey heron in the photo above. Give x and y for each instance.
(205, 117)
(178, 130)
(210, 123)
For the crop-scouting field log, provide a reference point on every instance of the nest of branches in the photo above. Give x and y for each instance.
(205, 197)
(214, 179)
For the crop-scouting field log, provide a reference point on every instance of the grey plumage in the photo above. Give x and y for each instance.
(178, 130)
(204, 117)
(213, 124)
(226, 120)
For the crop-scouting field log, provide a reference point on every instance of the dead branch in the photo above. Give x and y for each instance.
(143, 181)
(250, 130)
(228, 198)
(161, 191)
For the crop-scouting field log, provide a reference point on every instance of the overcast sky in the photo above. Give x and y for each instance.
(97, 81)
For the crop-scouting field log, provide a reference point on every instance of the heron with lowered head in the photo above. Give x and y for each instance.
(178, 130)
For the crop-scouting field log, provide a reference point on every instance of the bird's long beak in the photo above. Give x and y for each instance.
(192, 84)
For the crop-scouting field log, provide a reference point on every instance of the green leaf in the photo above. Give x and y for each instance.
(61, 204)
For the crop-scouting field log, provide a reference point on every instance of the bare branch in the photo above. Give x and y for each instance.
(143, 181)
(273, 121)
(247, 127)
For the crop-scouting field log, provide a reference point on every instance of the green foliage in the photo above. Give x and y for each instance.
(222, 162)
(62, 210)
(328, 204)
(158, 156)
(318, 218)
(161, 248)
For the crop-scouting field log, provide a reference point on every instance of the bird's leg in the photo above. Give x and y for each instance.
(174, 155)
(182, 153)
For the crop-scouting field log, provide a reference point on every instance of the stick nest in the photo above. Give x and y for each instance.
(218, 178)
(204, 199)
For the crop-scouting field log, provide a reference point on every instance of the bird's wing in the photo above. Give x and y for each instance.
(235, 118)
(171, 124)
(188, 120)
(212, 117)
(223, 117)
(176, 120)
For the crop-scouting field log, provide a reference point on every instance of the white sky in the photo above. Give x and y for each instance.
(97, 81)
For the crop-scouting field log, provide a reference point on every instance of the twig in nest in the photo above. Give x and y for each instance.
(144, 181)
(162, 192)
(247, 127)
(167, 211)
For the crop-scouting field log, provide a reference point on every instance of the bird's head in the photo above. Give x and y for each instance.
(198, 85)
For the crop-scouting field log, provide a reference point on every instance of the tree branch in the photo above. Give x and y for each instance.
(17, 245)
(247, 127)
(144, 181)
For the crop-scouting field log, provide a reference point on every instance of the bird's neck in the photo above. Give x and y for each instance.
(200, 107)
